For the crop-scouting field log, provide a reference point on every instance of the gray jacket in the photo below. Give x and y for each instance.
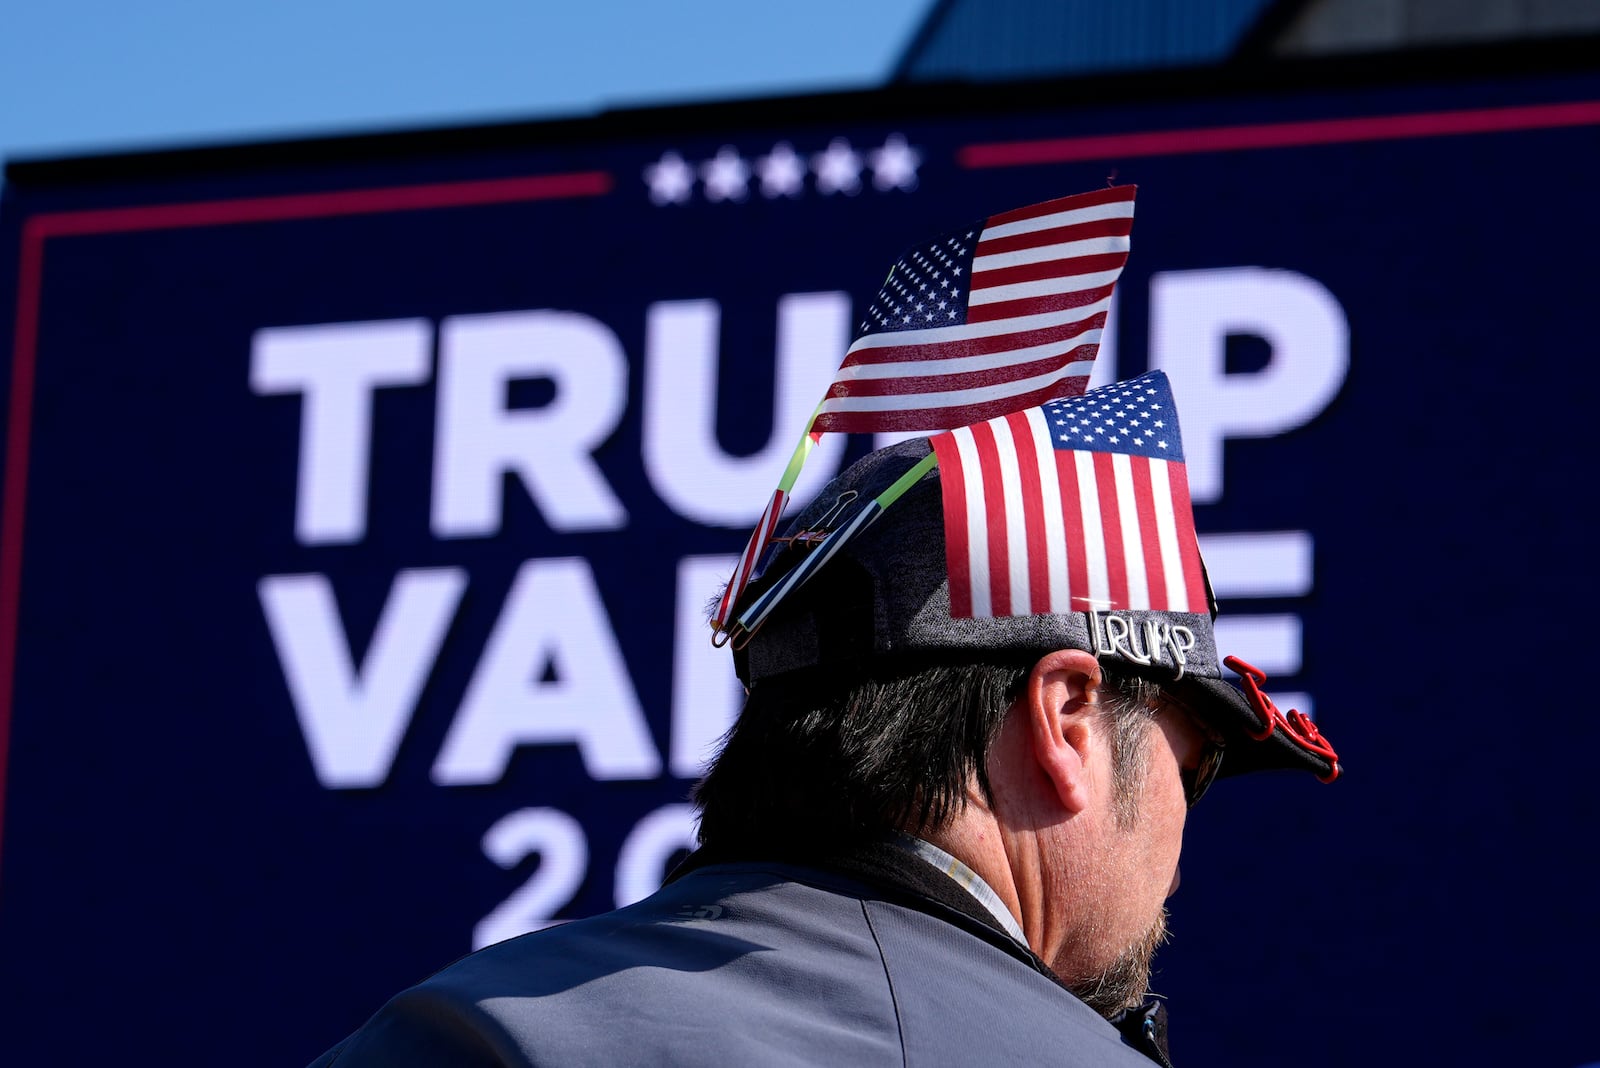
(752, 964)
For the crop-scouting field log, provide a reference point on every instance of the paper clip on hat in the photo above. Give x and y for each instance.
(1044, 516)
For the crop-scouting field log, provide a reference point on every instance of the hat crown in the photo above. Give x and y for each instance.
(890, 586)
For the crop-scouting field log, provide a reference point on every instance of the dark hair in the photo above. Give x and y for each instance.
(816, 761)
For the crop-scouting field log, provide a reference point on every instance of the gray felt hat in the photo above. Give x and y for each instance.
(885, 596)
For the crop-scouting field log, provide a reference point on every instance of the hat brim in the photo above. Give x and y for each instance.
(1225, 707)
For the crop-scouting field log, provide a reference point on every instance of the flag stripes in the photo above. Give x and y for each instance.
(1034, 527)
(975, 371)
(760, 538)
(999, 337)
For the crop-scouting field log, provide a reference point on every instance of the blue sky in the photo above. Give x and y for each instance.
(96, 75)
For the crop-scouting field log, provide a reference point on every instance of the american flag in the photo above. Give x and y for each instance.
(1080, 504)
(990, 319)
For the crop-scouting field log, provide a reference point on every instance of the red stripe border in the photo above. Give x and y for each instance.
(1279, 135)
(37, 229)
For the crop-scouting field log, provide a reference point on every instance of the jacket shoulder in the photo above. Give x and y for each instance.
(740, 964)
(723, 966)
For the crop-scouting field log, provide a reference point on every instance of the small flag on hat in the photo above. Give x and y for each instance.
(1079, 504)
(996, 317)
(987, 320)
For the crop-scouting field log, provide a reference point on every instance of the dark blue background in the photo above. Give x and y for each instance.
(174, 878)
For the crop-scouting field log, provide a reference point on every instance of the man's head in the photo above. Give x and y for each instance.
(1026, 678)
(1074, 770)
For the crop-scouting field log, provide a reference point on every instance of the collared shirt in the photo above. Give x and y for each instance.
(966, 878)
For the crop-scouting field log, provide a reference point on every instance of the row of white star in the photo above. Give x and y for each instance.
(782, 172)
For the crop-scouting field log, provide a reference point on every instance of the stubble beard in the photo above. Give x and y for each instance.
(1126, 980)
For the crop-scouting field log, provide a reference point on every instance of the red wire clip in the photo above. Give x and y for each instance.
(1299, 727)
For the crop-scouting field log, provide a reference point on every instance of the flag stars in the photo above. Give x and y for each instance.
(1117, 418)
(920, 289)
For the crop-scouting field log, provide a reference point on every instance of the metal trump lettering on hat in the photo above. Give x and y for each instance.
(1044, 515)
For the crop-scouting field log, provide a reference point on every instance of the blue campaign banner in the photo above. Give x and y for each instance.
(363, 500)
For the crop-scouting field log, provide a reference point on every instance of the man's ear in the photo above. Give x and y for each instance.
(1059, 705)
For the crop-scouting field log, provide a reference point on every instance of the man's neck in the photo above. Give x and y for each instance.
(975, 839)
(960, 874)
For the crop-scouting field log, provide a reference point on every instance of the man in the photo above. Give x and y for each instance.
(945, 825)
